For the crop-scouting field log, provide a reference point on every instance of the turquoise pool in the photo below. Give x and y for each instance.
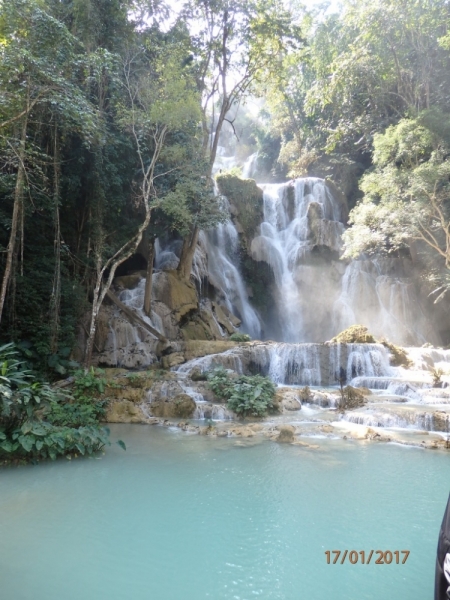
(183, 517)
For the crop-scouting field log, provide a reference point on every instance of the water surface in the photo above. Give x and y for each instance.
(181, 517)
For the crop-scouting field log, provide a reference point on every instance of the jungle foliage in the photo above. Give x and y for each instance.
(110, 116)
(370, 94)
(38, 421)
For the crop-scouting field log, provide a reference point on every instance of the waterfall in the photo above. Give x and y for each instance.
(301, 364)
(249, 167)
(221, 246)
(297, 217)
(318, 295)
(386, 303)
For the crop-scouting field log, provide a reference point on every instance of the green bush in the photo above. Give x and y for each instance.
(39, 421)
(84, 407)
(246, 395)
(240, 337)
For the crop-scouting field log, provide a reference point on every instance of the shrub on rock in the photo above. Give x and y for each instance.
(240, 337)
(356, 334)
(246, 395)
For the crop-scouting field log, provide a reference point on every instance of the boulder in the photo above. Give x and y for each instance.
(180, 296)
(172, 360)
(353, 398)
(286, 434)
(196, 329)
(124, 411)
(305, 394)
(181, 406)
(223, 310)
(197, 375)
(287, 399)
(223, 320)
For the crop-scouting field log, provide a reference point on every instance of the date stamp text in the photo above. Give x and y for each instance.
(376, 557)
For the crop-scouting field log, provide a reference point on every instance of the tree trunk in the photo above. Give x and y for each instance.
(96, 303)
(16, 216)
(187, 255)
(134, 318)
(55, 299)
(148, 281)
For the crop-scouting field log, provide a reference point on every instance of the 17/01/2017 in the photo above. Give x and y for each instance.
(382, 557)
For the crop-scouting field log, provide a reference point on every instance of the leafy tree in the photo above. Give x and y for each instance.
(236, 45)
(407, 195)
(39, 60)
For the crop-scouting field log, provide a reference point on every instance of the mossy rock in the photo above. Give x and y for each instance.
(286, 435)
(247, 197)
(124, 411)
(197, 375)
(399, 356)
(181, 406)
(356, 334)
(305, 394)
(180, 296)
(352, 398)
(196, 330)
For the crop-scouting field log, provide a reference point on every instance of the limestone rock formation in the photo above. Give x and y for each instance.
(181, 406)
(286, 434)
(124, 411)
(179, 296)
(287, 399)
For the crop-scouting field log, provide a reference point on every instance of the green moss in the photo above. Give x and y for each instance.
(240, 337)
(399, 357)
(247, 197)
(356, 334)
(259, 277)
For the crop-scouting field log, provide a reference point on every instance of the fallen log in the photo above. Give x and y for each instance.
(134, 318)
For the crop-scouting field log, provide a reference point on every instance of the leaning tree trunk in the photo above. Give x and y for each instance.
(16, 216)
(187, 254)
(148, 281)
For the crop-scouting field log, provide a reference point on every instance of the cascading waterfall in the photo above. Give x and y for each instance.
(387, 302)
(221, 246)
(301, 364)
(296, 217)
(316, 294)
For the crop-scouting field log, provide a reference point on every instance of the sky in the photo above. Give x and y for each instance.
(334, 5)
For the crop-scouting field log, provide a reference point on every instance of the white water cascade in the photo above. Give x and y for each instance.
(301, 364)
(297, 217)
(222, 251)
(317, 295)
